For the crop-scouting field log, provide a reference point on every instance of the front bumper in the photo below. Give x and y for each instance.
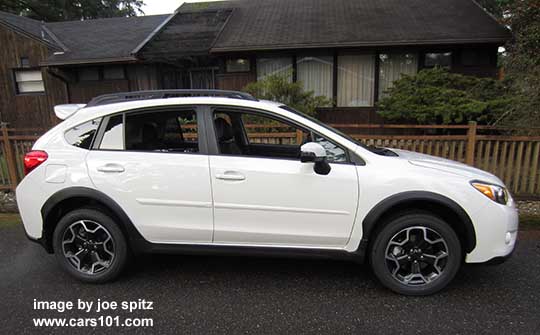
(496, 228)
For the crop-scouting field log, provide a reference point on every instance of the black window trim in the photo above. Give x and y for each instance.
(214, 148)
(100, 121)
(201, 138)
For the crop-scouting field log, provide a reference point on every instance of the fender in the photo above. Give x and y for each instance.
(370, 221)
(137, 241)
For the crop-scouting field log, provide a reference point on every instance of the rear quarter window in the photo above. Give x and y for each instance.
(82, 136)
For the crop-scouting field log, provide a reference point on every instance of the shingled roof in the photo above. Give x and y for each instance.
(243, 25)
(286, 24)
(29, 27)
(102, 40)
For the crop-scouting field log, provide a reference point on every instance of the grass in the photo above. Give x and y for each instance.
(529, 222)
(526, 222)
(9, 219)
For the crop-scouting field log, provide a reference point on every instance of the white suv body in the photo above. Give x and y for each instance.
(200, 199)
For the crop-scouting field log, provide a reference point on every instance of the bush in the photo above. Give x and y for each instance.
(436, 96)
(278, 88)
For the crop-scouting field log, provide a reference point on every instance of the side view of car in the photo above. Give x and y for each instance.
(181, 171)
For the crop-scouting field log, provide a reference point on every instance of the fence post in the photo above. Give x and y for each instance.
(10, 158)
(471, 143)
(299, 136)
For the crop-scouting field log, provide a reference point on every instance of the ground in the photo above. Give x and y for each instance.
(216, 295)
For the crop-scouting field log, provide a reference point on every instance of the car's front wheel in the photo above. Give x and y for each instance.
(90, 246)
(416, 254)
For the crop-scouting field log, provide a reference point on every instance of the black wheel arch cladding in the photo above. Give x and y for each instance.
(419, 200)
(52, 210)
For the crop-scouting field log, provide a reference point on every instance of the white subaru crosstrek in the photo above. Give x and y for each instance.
(180, 171)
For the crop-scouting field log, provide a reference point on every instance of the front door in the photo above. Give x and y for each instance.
(263, 195)
(151, 164)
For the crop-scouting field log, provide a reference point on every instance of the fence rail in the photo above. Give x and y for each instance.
(514, 159)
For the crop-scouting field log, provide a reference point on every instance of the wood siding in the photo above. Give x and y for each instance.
(138, 77)
(26, 110)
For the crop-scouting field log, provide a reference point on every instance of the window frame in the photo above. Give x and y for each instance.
(201, 130)
(16, 83)
(213, 147)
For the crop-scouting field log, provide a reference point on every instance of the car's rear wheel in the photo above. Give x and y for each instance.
(416, 254)
(90, 246)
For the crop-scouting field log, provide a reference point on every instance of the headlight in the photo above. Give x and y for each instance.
(494, 192)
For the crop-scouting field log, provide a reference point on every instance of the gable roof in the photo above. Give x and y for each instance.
(102, 40)
(286, 24)
(187, 33)
(244, 25)
(29, 27)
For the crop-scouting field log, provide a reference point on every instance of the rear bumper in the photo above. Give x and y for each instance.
(41, 241)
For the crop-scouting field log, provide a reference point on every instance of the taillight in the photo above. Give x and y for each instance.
(33, 159)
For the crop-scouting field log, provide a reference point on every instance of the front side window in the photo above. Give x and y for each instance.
(356, 78)
(164, 131)
(81, 136)
(29, 81)
(393, 66)
(439, 59)
(259, 135)
(316, 74)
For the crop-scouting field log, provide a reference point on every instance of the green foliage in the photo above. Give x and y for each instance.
(278, 87)
(522, 63)
(63, 10)
(436, 96)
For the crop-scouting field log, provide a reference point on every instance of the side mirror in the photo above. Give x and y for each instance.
(314, 152)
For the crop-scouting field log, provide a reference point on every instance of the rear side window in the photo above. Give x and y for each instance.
(81, 136)
(113, 137)
(163, 131)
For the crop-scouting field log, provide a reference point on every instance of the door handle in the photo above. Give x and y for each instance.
(230, 175)
(111, 168)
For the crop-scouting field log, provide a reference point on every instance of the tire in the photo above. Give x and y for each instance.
(90, 246)
(422, 267)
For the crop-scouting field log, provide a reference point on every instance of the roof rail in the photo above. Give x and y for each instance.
(163, 94)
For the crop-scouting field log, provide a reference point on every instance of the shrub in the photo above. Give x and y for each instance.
(436, 96)
(277, 87)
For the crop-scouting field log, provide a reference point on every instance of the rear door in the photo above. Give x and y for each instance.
(152, 163)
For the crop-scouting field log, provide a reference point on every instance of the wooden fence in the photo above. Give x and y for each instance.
(514, 159)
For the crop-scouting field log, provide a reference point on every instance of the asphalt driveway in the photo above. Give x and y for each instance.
(206, 295)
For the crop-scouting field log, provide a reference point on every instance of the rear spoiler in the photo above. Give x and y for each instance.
(64, 111)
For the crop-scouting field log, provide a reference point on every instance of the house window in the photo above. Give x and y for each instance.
(29, 81)
(25, 62)
(475, 57)
(113, 73)
(440, 59)
(393, 66)
(316, 74)
(88, 74)
(238, 65)
(275, 66)
(356, 78)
